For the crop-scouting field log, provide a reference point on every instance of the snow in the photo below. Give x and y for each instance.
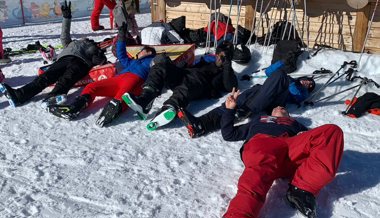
(52, 167)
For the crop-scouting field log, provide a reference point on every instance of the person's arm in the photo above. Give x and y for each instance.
(274, 89)
(298, 93)
(229, 131)
(121, 45)
(66, 24)
(229, 78)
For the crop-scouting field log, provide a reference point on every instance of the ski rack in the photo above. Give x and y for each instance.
(353, 65)
(364, 81)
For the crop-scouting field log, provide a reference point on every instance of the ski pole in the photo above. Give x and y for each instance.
(329, 81)
(352, 99)
(330, 96)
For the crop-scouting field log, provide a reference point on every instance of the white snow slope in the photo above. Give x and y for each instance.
(50, 167)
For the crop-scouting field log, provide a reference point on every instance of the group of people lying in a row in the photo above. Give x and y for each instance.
(276, 145)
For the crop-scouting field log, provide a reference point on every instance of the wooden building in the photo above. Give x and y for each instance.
(328, 22)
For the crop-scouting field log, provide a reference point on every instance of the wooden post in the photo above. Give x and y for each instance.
(250, 13)
(361, 27)
(158, 10)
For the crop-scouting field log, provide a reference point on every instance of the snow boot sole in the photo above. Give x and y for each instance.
(162, 119)
(134, 106)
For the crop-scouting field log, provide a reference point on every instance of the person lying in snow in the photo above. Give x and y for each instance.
(200, 81)
(276, 147)
(278, 90)
(131, 78)
(73, 63)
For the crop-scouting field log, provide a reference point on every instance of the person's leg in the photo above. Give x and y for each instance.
(106, 88)
(75, 71)
(130, 83)
(98, 7)
(164, 75)
(265, 159)
(317, 153)
(132, 25)
(110, 5)
(44, 80)
(180, 97)
(275, 88)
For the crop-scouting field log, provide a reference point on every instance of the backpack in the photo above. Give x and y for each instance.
(278, 33)
(287, 51)
(242, 54)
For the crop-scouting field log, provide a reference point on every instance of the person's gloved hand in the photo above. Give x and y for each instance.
(66, 10)
(122, 34)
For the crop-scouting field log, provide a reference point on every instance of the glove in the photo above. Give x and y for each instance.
(66, 10)
(122, 34)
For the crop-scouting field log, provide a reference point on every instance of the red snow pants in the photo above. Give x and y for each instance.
(115, 87)
(309, 159)
(98, 7)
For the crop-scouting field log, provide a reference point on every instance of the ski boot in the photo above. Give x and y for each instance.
(141, 104)
(164, 116)
(71, 111)
(303, 200)
(53, 100)
(109, 113)
(10, 94)
(193, 125)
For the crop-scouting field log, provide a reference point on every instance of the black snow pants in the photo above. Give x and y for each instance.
(65, 72)
(186, 86)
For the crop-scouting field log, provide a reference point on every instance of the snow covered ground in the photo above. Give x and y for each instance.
(50, 167)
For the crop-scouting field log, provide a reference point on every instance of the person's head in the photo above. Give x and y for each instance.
(223, 52)
(146, 51)
(280, 111)
(307, 82)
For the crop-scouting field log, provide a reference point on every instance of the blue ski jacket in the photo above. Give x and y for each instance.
(140, 67)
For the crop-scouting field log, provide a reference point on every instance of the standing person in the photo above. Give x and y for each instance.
(203, 80)
(98, 7)
(73, 63)
(3, 58)
(127, 16)
(276, 147)
(130, 79)
(278, 90)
